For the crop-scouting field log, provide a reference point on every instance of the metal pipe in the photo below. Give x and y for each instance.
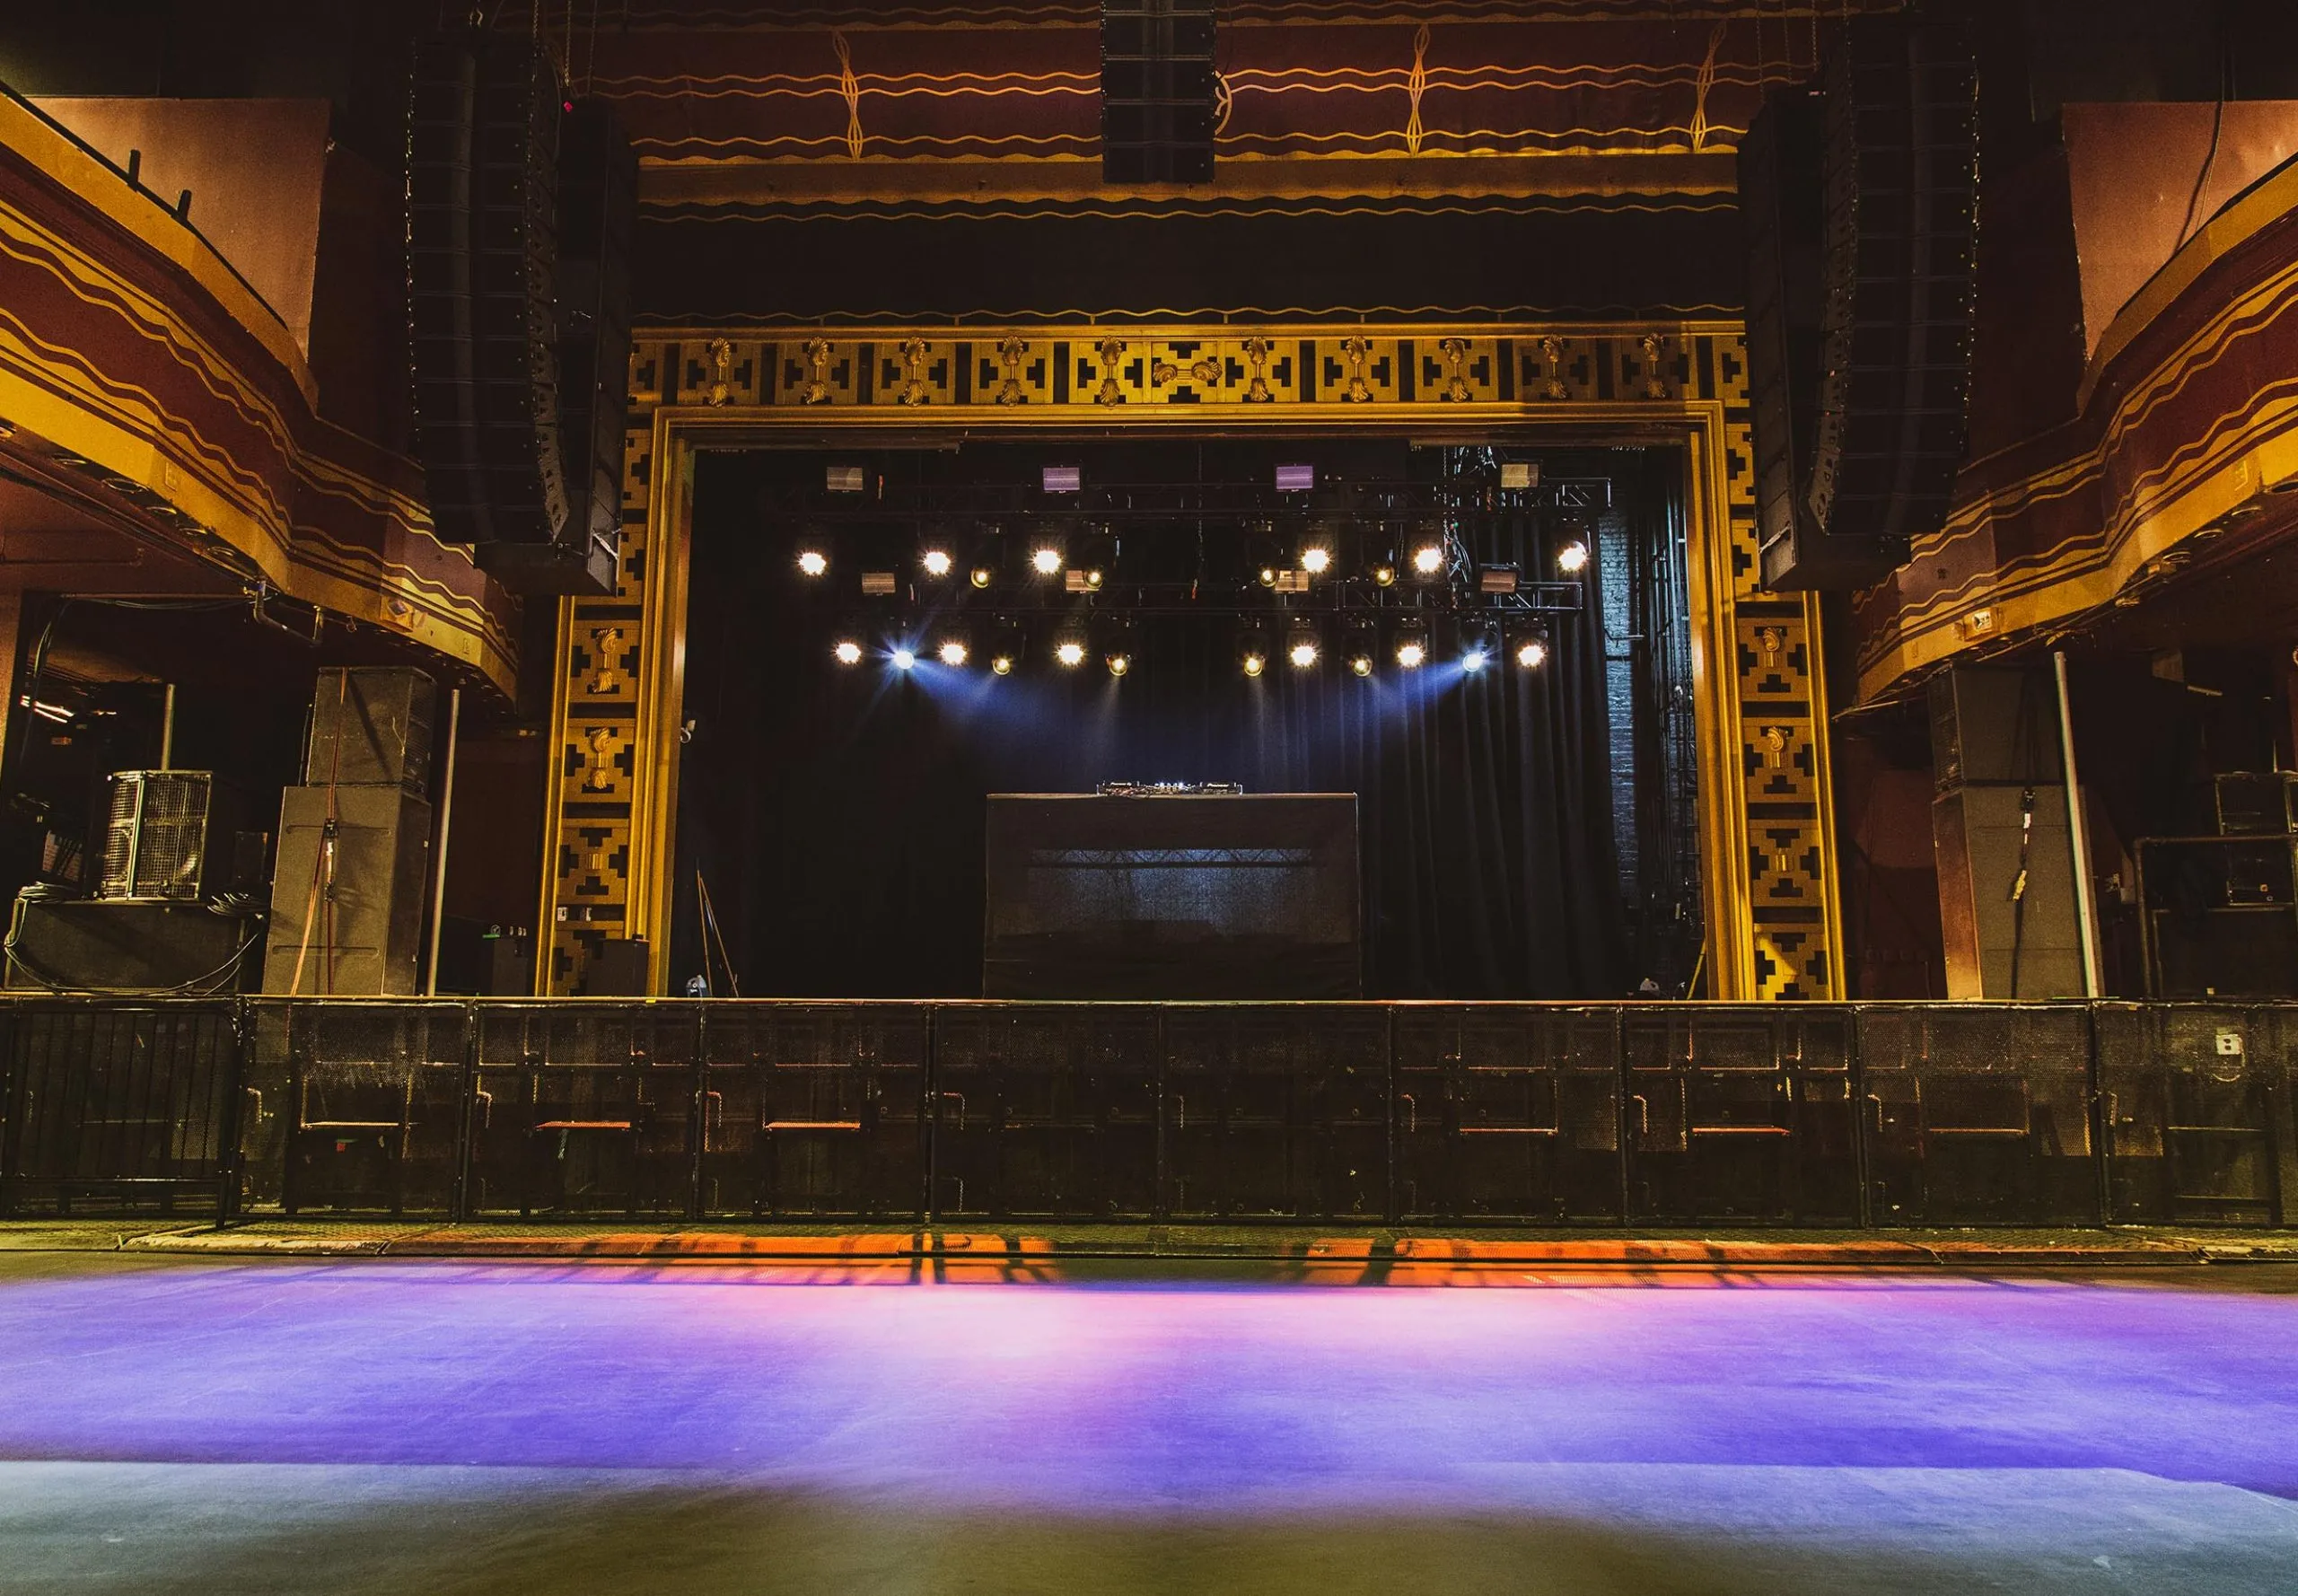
(438, 865)
(168, 727)
(2078, 838)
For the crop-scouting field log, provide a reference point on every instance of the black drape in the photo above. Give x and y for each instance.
(837, 813)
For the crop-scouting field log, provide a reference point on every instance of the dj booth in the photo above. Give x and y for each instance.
(1172, 896)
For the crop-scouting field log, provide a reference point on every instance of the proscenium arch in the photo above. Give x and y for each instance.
(1767, 825)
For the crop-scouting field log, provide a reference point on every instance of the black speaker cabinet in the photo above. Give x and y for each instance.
(372, 726)
(364, 915)
(1894, 139)
(1994, 724)
(1159, 91)
(91, 945)
(1993, 950)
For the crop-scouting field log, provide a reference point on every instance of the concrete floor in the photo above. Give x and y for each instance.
(369, 1425)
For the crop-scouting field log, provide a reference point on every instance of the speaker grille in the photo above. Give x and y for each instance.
(156, 837)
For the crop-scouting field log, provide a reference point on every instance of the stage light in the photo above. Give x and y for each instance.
(847, 652)
(1572, 558)
(953, 653)
(1412, 645)
(1385, 575)
(936, 561)
(1006, 645)
(982, 575)
(1252, 648)
(1359, 649)
(1479, 644)
(904, 658)
(1002, 664)
(1070, 652)
(1301, 645)
(1428, 559)
(1119, 663)
(813, 562)
(1268, 576)
(1473, 658)
(1528, 644)
(1046, 560)
(1316, 560)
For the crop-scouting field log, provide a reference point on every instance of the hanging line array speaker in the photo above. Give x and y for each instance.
(1862, 200)
(519, 209)
(1159, 91)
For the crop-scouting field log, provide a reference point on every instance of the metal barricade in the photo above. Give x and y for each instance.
(1742, 1114)
(1979, 1114)
(1274, 1111)
(1046, 1110)
(583, 1108)
(355, 1106)
(1507, 1111)
(2190, 1110)
(813, 1109)
(123, 1107)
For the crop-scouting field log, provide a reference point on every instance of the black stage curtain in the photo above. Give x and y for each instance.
(836, 814)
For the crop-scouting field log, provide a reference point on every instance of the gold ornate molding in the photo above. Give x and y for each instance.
(1766, 822)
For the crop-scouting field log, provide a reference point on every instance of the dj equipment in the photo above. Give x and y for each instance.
(1186, 897)
(1859, 430)
(1158, 91)
(1170, 789)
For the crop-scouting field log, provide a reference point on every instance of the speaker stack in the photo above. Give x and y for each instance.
(519, 209)
(1159, 92)
(1861, 196)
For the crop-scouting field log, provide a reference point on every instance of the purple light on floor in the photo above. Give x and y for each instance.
(1109, 1398)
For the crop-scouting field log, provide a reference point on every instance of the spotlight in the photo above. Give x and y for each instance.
(953, 653)
(1316, 560)
(1428, 559)
(1006, 647)
(904, 658)
(813, 562)
(1117, 647)
(1412, 646)
(1358, 650)
(936, 561)
(1572, 558)
(1069, 652)
(981, 575)
(1252, 649)
(1385, 575)
(847, 652)
(1300, 645)
(1268, 576)
(1479, 643)
(1046, 560)
(1528, 646)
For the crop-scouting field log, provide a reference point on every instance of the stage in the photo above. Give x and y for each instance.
(357, 1425)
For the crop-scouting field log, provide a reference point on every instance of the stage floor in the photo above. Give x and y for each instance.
(173, 1425)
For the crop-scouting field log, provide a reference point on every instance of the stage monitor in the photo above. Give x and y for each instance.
(1172, 898)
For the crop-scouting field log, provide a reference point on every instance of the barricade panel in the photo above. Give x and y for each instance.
(1979, 1114)
(118, 1108)
(1276, 1111)
(584, 1108)
(1507, 1111)
(1046, 1110)
(1742, 1114)
(814, 1109)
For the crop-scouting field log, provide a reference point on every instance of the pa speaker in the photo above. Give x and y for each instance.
(1894, 136)
(1159, 92)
